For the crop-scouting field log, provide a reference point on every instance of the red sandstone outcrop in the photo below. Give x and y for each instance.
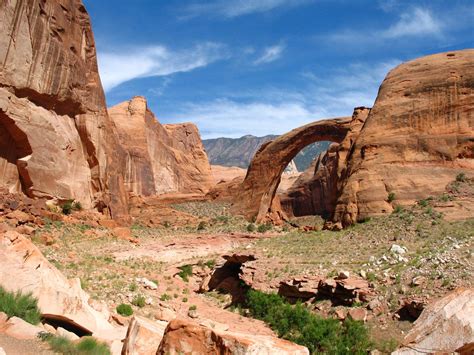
(159, 158)
(419, 135)
(56, 139)
(413, 143)
(185, 337)
(444, 327)
(59, 299)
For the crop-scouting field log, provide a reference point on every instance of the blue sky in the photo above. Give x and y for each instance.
(265, 66)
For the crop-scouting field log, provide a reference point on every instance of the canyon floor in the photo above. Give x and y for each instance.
(408, 258)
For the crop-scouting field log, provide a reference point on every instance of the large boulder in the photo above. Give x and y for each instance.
(160, 158)
(143, 336)
(61, 301)
(445, 326)
(56, 139)
(185, 337)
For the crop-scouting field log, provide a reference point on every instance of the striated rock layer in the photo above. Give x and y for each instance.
(419, 135)
(160, 158)
(56, 139)
(414, 141)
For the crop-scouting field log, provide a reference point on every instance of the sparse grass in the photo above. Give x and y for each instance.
(461, 177)
(139, 301)
(86, 346)
(192, 307)
(262, 228)
(165, 297)
(17, 304)
(124, 310)
(186, 272)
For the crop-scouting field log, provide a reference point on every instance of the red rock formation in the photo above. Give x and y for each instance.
(160, 158)
(317, 190)
(56, 137)
(264, 173)
(417, 138)
(183, 336)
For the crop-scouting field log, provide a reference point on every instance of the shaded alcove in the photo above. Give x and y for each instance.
(14, 146)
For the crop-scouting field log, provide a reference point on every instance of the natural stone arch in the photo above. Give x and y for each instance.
(259, 187)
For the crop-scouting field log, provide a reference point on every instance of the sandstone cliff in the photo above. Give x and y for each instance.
(56, 137)
(159, 158)
(417, 138)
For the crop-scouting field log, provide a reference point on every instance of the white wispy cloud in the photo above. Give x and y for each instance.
(270, 54)
(276, 111)
(126, 64)
(414, 23)
(230, 9)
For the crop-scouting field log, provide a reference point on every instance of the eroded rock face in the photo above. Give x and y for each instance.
(160, 158)
(264, 173)
(56, 137)
(445, 326)
(185, 337)
(59, 299)
(415, 140)
(419, 135)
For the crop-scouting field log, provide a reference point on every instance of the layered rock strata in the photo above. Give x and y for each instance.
(416, 139)
(160, 158)
(56, 137)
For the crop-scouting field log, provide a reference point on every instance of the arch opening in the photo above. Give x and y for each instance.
(258, 190)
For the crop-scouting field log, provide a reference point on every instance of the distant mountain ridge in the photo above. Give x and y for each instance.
(240, 151)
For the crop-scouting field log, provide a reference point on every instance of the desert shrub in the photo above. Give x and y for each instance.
(124, 310)
(165, 297)
(186, 272)
(77, 206)
(16, 304)
(423, 203)
(139, 301)
(391, 197)
(201, 226)
(461, 177)
(262, 228)
(86, 346)
(251, 227)
(66, 207)
(296, 323)
(192, 307)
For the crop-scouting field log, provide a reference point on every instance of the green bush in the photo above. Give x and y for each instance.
(186, 272)
(139, 301)
(251, 227)
(23, 306)
(201, 226)
(262, 228)
(461, 177)
(391, 197)
(66, 207)
(124, 310)
(86, 346)
(296, 323)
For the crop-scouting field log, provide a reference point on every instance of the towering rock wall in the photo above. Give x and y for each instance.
(160, 158)
(417, 138)
(56, 137)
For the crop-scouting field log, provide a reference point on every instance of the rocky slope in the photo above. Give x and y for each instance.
(56, 137)
(240, 151)
(159, 158)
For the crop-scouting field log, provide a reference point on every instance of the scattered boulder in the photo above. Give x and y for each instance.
(19, 329)
(60, 300)
(346, 291)
(358, 314)
(444, 326)
(397, 249)
(143, 336)
(300, 288)
(190, 338)
(147, 283)
(66, 334)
